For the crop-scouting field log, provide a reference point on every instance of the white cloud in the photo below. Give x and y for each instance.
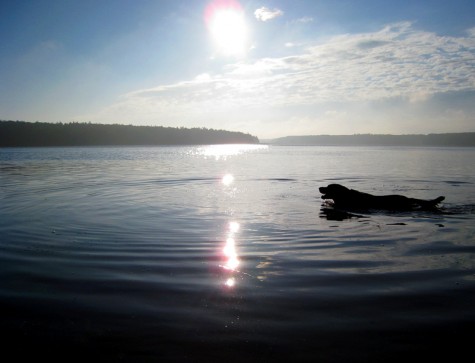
(395, 63)
(203, 77)
(265, 14)
(305, 19)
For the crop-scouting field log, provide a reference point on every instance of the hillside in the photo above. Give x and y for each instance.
(449, 139)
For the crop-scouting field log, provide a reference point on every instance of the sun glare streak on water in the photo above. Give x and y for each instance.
(229, 251)
(221, 152)
(230, 254)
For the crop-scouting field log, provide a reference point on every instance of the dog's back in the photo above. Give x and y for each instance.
(344, 197)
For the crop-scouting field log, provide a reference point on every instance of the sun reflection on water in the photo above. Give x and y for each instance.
(228, 179)
(223, 151)
(230, 255)
(233, 227)
(229, 250)
(230, 282)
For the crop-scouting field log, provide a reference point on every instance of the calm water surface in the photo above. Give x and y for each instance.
(215, 253)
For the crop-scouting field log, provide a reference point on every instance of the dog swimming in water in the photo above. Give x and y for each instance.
(346, 198)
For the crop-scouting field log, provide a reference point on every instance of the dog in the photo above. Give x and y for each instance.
(345, 198)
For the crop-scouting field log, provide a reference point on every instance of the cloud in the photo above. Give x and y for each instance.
(305, 19)
(265, 14)
(398, 67)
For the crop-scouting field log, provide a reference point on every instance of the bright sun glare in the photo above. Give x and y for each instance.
(227, 26)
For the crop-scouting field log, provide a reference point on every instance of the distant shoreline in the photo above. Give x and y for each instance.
(463, 139)
(41, 134)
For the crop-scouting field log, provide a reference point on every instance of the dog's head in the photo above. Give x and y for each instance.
(333, 191)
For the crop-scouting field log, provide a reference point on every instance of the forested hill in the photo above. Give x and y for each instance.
(450, 139)
(19, 133)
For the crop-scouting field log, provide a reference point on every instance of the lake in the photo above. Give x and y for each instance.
(223, 253)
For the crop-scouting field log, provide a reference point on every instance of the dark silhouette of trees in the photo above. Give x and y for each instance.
(20, 133)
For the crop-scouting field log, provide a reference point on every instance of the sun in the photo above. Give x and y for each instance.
(227, 26)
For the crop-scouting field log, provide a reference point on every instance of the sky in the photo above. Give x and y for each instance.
(269, 68)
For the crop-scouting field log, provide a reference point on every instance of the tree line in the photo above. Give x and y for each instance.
(21, 133)
(463, 139)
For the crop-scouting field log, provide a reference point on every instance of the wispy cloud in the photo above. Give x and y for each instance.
(397, 62)
(305, 19)
(265, 14)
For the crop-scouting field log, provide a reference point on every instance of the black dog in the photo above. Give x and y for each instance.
(352, 199)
